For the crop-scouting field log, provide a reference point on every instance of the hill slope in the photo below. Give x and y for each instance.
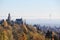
(19, 32)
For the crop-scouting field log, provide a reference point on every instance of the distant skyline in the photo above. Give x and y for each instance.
(30, 9)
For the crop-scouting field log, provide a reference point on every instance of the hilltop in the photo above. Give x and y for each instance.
(19, 32)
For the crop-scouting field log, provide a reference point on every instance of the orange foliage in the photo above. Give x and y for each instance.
(20, 32)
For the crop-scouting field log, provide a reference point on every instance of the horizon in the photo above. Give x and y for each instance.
(47, 22)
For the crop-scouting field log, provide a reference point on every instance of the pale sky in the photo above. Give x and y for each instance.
(30, 9)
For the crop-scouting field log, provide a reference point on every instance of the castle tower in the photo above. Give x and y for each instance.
(9, 18)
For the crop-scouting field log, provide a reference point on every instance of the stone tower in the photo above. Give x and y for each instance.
(9, 18)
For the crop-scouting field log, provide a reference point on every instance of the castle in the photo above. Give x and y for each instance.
(18, 21)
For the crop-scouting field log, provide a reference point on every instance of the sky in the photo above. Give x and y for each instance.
(30, 9)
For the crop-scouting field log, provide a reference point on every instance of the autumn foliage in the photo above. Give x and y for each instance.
(19, 32)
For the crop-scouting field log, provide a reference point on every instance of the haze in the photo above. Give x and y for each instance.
(30, 9)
